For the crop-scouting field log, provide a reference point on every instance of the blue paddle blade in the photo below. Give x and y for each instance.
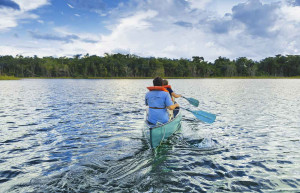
(204, 116)
(193, 101)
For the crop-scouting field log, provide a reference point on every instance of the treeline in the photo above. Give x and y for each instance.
(121, 65)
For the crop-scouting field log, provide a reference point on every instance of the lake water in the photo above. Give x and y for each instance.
(87, 136)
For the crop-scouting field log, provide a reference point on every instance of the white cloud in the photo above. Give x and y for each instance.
(172, 29)
(198, 4)
(139, 34)
(9, 50)
(7, 20)
(64, 31)
(161, 38)
(27, 5)
(291, 13)
(10, 18)
(70, 6)
(51, 48)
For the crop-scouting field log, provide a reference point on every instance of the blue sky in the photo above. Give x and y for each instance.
(161, 28)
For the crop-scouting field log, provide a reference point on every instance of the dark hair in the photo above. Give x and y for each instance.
(158, 81)
(165, 82)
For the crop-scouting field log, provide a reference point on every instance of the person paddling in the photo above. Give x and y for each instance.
(158, 100)
(172, 94)
(168, 87)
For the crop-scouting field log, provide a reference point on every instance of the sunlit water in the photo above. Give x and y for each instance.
(87, 136)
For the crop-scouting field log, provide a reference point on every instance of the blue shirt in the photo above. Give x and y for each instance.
(158, 99)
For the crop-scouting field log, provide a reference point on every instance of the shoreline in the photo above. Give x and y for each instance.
(9, 78)
(254, 77)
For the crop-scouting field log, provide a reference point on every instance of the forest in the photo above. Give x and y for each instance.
(127, 65)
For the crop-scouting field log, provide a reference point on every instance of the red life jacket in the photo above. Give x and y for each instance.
(159, 88)
(167, 86)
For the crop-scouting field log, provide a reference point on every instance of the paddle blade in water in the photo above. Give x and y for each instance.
(204, 116)
(193, 101)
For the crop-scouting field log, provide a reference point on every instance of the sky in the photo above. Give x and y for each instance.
(175, 29)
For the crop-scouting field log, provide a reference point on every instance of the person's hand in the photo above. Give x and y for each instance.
(177, 105)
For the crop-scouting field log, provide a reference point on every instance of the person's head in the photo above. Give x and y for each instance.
(165, 82)
(158, 81)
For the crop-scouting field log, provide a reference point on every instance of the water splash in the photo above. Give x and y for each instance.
(206, 144)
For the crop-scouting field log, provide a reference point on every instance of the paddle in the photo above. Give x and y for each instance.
(192, 101)
(203, 116)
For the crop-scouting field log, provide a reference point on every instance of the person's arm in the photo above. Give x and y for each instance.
(175, 95)
(172, 107)
(169, 103)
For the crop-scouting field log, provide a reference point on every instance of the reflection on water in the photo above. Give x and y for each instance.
(87, 135)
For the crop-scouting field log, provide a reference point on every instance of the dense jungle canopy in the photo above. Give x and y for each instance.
(126, 65)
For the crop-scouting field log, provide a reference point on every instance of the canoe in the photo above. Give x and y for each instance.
(156, 134)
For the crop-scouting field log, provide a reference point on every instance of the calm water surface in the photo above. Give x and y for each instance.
(87, 136)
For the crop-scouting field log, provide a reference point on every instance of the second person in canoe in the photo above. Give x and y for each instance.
(173, 96)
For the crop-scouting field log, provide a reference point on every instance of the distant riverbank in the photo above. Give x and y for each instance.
(235, 77)
(9, 78)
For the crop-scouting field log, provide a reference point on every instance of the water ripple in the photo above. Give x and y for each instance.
(79, 136)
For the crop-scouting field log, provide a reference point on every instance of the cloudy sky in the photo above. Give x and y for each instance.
(161, 28)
